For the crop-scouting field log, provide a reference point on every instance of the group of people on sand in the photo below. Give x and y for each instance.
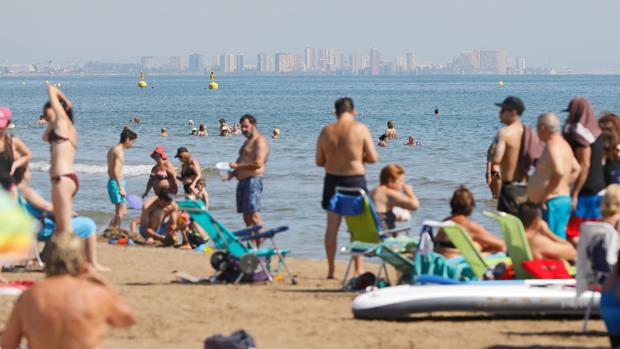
(160, 219)
(390, 134)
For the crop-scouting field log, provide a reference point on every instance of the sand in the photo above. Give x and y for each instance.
(312, 314)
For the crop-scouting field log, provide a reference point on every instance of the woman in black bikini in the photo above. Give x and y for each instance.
(190, 170)
(62, 137)
(13, 153)
(163, 174)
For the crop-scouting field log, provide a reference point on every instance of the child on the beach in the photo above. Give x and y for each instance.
(543, 243)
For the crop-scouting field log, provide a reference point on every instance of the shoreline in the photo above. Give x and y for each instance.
(312, 314)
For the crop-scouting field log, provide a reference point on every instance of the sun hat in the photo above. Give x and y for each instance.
(5, 116)
(159, 150)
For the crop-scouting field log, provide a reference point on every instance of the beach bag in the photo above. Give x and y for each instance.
(546, 269)
(346, 205)
(237, 340)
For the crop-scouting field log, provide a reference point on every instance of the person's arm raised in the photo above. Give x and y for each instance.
(370, 153)
(406, 199)
(55, 97)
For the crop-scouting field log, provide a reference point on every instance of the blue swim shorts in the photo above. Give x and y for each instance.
(82, 227)
(557, 214)
(249, 191)
(115, 192)
(163, 230)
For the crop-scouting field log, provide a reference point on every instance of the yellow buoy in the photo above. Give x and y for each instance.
(213, 85)
(500, 83)
(142, 83)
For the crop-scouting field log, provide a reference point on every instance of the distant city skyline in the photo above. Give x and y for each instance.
(551, 33)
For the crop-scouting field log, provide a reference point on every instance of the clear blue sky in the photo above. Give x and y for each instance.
(583, 35)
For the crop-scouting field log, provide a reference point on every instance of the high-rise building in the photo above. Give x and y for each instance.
(412, 62)
(356, 63)
(309, 59)
(339, 61)
(176, 63)
(147, 62)
(465, 62)
(239, 63)
(196, 62)
(494, 61)
(285, 62)
(520, 63)
(264, 63)
(326, 57)
(227, 62)
(299, 62)
(375, 61)
(400, 64)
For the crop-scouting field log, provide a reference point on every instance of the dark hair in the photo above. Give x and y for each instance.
(128, 134)
(382, 137)
(462, 201)
(343, 105)
(68, 111)
(18, 175)
(527, 213)
(166, 195)
(390, 124)
(248, 117)
(202, 127)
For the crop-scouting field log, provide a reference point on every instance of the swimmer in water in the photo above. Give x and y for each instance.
(276, 133)
(436, 111)
(163, 132)
(382, 141)
(411, 141)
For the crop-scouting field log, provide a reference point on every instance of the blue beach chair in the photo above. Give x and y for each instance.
(236, 253)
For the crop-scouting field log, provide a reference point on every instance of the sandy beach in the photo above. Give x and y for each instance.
(312, 314)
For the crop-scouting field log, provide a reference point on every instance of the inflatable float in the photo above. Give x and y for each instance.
(515, 297)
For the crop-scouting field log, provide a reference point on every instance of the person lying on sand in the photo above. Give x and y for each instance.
(543, 242)
(159, 217)
(70, 308)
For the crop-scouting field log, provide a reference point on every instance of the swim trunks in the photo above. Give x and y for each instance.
(163, 230)
(331, 182)
(557, 214)
(610, 309)
(511, 197)
(588, 210)
(249, 191)
(115, 192)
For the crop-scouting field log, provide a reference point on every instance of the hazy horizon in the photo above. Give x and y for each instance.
(556, 33)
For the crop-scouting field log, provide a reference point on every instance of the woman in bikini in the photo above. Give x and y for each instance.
(163, 174)
(190, 170)
(13, 153)
(62, 138)
(462, 205)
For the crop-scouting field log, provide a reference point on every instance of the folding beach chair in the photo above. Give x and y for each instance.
(466, 246)
(246, 261)
(368, 239)
(597, 253)
(516, 242)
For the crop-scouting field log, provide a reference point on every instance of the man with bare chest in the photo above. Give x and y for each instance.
(159, 217)
(249, 169)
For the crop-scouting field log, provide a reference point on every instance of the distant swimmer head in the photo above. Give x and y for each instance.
(344, 106)
(390, 124)
(163, 132)
(276, 133)
(136, 119)
(190, 122)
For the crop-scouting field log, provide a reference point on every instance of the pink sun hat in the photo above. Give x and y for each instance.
(5, 116)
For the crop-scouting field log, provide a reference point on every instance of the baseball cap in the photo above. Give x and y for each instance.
(514, 103)
(5, 116)
(160, 151)
(181, 150)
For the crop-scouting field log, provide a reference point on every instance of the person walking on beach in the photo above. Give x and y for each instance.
(13, 152)
(585, 138)
(343, 147)
(556, 170)
(62, 138)
(71, 308)
(249, 169)
(163, 174)
(116, 182)
(506, 154)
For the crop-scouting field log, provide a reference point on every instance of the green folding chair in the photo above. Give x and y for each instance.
(516, 242)
(466, 246)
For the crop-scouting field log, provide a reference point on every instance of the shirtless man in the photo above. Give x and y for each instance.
(249, 169)
(116, 183)
(543, 243)
(506, 154)
(70, 308)
(159, 217)
(555, 171)
(342, 149)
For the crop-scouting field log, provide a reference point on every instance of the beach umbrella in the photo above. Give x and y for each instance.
(17, 230)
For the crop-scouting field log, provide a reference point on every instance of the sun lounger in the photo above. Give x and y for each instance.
(236, 249)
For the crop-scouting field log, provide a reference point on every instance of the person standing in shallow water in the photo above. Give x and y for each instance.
(343, 147)
(116, 181)
(390, 132)
(249, 169)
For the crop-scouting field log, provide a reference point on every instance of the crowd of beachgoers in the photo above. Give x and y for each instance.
(555, 179)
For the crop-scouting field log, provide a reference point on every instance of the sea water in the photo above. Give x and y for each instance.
(452, 151)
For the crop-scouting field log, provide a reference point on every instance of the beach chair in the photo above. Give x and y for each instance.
(516, 242)
(466, 246)
(368, 239)
(236, 252)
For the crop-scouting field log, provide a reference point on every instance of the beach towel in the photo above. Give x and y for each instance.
(581, 125)
(546, 269)
(531, 150)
